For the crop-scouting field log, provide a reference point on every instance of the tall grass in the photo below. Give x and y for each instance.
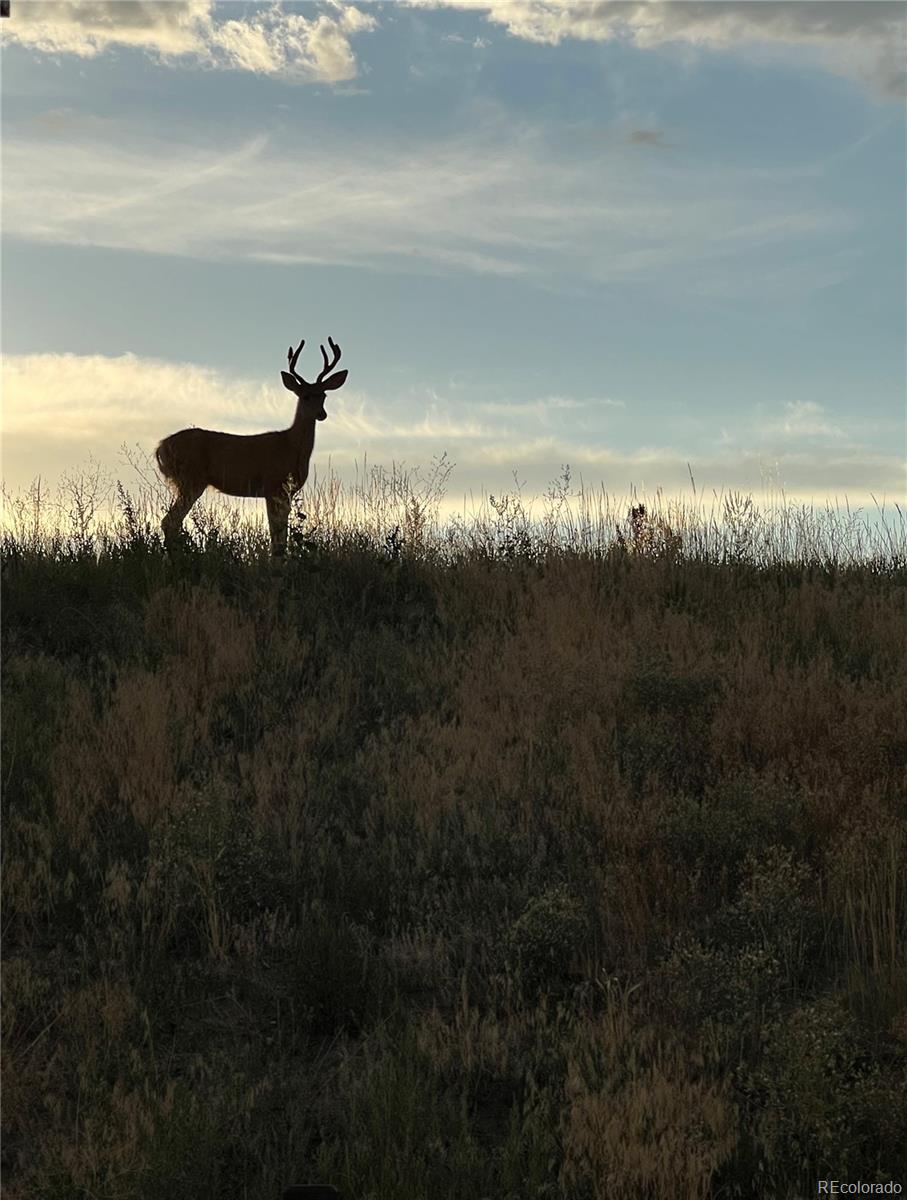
(409, 507)
(511, 855)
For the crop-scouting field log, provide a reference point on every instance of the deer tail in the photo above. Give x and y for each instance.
(164, 457)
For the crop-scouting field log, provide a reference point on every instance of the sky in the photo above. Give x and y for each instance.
(636, 238)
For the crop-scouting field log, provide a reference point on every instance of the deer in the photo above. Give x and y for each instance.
(273, 466)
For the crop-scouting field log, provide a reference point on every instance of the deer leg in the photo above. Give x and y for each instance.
(172, 523)
(278, 517)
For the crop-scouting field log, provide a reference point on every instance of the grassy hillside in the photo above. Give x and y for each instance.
(493, 866)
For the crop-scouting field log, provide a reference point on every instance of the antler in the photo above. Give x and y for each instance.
(292, 357)
(329, 366)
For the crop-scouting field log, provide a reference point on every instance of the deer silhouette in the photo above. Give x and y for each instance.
(271, 465)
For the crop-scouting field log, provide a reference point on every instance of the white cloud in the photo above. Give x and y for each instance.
(865, 39)
(111, 399)
(861, 38)
(58, 408)
(86, 397)
(111, 402)
(267, 42)
(88, 27)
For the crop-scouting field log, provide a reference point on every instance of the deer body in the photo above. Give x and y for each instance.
(273, 466)
(260, 464)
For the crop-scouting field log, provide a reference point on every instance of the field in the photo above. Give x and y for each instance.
(553, 858)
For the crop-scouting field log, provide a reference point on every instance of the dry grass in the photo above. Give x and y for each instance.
(559, 857)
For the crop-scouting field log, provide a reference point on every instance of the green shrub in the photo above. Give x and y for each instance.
(821, 1102)
(542, 942)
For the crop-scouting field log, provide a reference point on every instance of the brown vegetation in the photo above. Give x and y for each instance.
(512, 871)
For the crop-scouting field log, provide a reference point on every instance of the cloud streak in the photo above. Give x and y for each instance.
(501, 201)
(285, 45)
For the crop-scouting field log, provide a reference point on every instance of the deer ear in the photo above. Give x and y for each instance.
(335, 381)
(289, 382)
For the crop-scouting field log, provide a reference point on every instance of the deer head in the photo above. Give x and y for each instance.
(313, 393)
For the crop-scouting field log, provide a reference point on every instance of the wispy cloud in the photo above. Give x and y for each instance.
(806, 430)
(500, 201)
(804, 419)
(865, 39)
(270, 41)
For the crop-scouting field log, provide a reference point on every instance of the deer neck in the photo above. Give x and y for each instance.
(303, 430)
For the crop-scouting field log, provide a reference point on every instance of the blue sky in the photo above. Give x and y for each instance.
(620, 236)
